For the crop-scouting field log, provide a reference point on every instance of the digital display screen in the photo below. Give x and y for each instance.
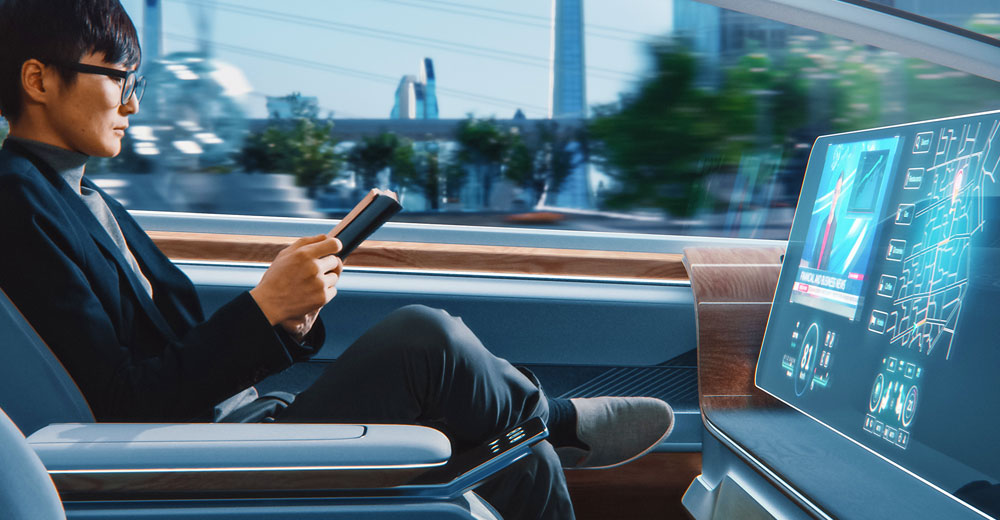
(842, 226)
(885, 323)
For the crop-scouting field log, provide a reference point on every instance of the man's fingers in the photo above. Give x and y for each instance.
(325, 247)
(304, 241)
(331, 279)
(330, 264)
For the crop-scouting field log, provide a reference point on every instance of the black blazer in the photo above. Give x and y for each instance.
(135, 358)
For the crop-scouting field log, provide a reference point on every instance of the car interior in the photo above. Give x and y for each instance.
(844, 372)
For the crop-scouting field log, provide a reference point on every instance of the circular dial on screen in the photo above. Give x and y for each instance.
(805, 364)
(877, 390)
(909, 406)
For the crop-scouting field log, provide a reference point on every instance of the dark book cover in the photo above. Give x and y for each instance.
(367, 216)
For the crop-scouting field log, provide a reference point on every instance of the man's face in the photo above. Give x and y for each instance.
(87, 116)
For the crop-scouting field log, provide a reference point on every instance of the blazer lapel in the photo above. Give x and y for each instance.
(100, 235)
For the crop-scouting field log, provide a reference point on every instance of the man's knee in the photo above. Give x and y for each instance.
(429, 328)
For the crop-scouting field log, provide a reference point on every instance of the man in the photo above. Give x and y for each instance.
(128, 326)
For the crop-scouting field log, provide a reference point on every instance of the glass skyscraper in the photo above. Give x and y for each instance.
(569, 92)
(416, 96)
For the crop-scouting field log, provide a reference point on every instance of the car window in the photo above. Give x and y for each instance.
(648, 116)
(978, 16)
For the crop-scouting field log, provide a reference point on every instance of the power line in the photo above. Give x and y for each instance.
(493, 17)
(516, 14)
(370, 76)
(382, 35)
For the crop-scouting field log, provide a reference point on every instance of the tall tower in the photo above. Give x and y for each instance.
(203, 14)
(416, 96)
(152, 32)
(568, 93)
(406, 99)
(430, 89)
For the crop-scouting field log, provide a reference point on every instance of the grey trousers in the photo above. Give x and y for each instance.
(423, 366)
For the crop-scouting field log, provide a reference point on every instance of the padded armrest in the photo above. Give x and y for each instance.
(179, 458)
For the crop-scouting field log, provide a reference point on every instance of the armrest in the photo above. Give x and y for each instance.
(234, 458)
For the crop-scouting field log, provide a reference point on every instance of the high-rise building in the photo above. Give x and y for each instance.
(568, 96)
(426, 78)
(152, 31)
(719, 37)
(416, 96)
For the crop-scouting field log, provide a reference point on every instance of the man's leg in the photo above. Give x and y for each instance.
(423, 366)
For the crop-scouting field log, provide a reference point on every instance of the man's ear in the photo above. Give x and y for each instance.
(34, 80)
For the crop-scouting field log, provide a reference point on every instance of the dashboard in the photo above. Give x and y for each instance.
(882, 323)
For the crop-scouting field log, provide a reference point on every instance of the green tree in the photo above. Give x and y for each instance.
(482, 149)
(314, 159)
(543, 165)
(371, 155)
(764, 98)
(266, 151)
(419, 166)
(303, 147)
(660, 142)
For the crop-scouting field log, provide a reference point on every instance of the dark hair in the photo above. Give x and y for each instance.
(54, 31)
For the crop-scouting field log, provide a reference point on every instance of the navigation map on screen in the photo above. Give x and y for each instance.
(884, 325)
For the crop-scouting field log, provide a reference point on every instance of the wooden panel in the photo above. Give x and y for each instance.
(650, 487)
(733, 274)
(729, 338)
(742, 256)
(445, 257)
(729, 283)
(733, 289)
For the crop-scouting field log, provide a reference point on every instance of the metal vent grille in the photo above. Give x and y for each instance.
(675, 385)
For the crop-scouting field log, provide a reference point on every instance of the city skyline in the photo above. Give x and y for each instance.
(490, 61)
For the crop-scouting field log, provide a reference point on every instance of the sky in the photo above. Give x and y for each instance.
(490, 58)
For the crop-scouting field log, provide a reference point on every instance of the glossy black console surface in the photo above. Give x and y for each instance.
(832, 472)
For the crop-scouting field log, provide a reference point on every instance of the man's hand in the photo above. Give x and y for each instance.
(299, 327)
(301, 280)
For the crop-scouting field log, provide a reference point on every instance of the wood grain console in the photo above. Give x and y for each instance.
(733, 289)
(437, 257)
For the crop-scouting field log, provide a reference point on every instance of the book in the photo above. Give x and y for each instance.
(375, 209)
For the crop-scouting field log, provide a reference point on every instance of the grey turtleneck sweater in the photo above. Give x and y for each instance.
(70, 165)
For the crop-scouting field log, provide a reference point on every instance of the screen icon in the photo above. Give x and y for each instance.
(895, 250)
(877, 322)
(903, 439)
(914, 176)
(904, 214)
(922, 143)
(886, 285)
(869, 423)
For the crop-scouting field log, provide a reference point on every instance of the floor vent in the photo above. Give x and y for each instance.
(675, 385)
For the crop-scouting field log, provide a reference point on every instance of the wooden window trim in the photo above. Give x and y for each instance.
(434, 256)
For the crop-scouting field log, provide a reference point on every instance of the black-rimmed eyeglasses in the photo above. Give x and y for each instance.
(134, 83)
